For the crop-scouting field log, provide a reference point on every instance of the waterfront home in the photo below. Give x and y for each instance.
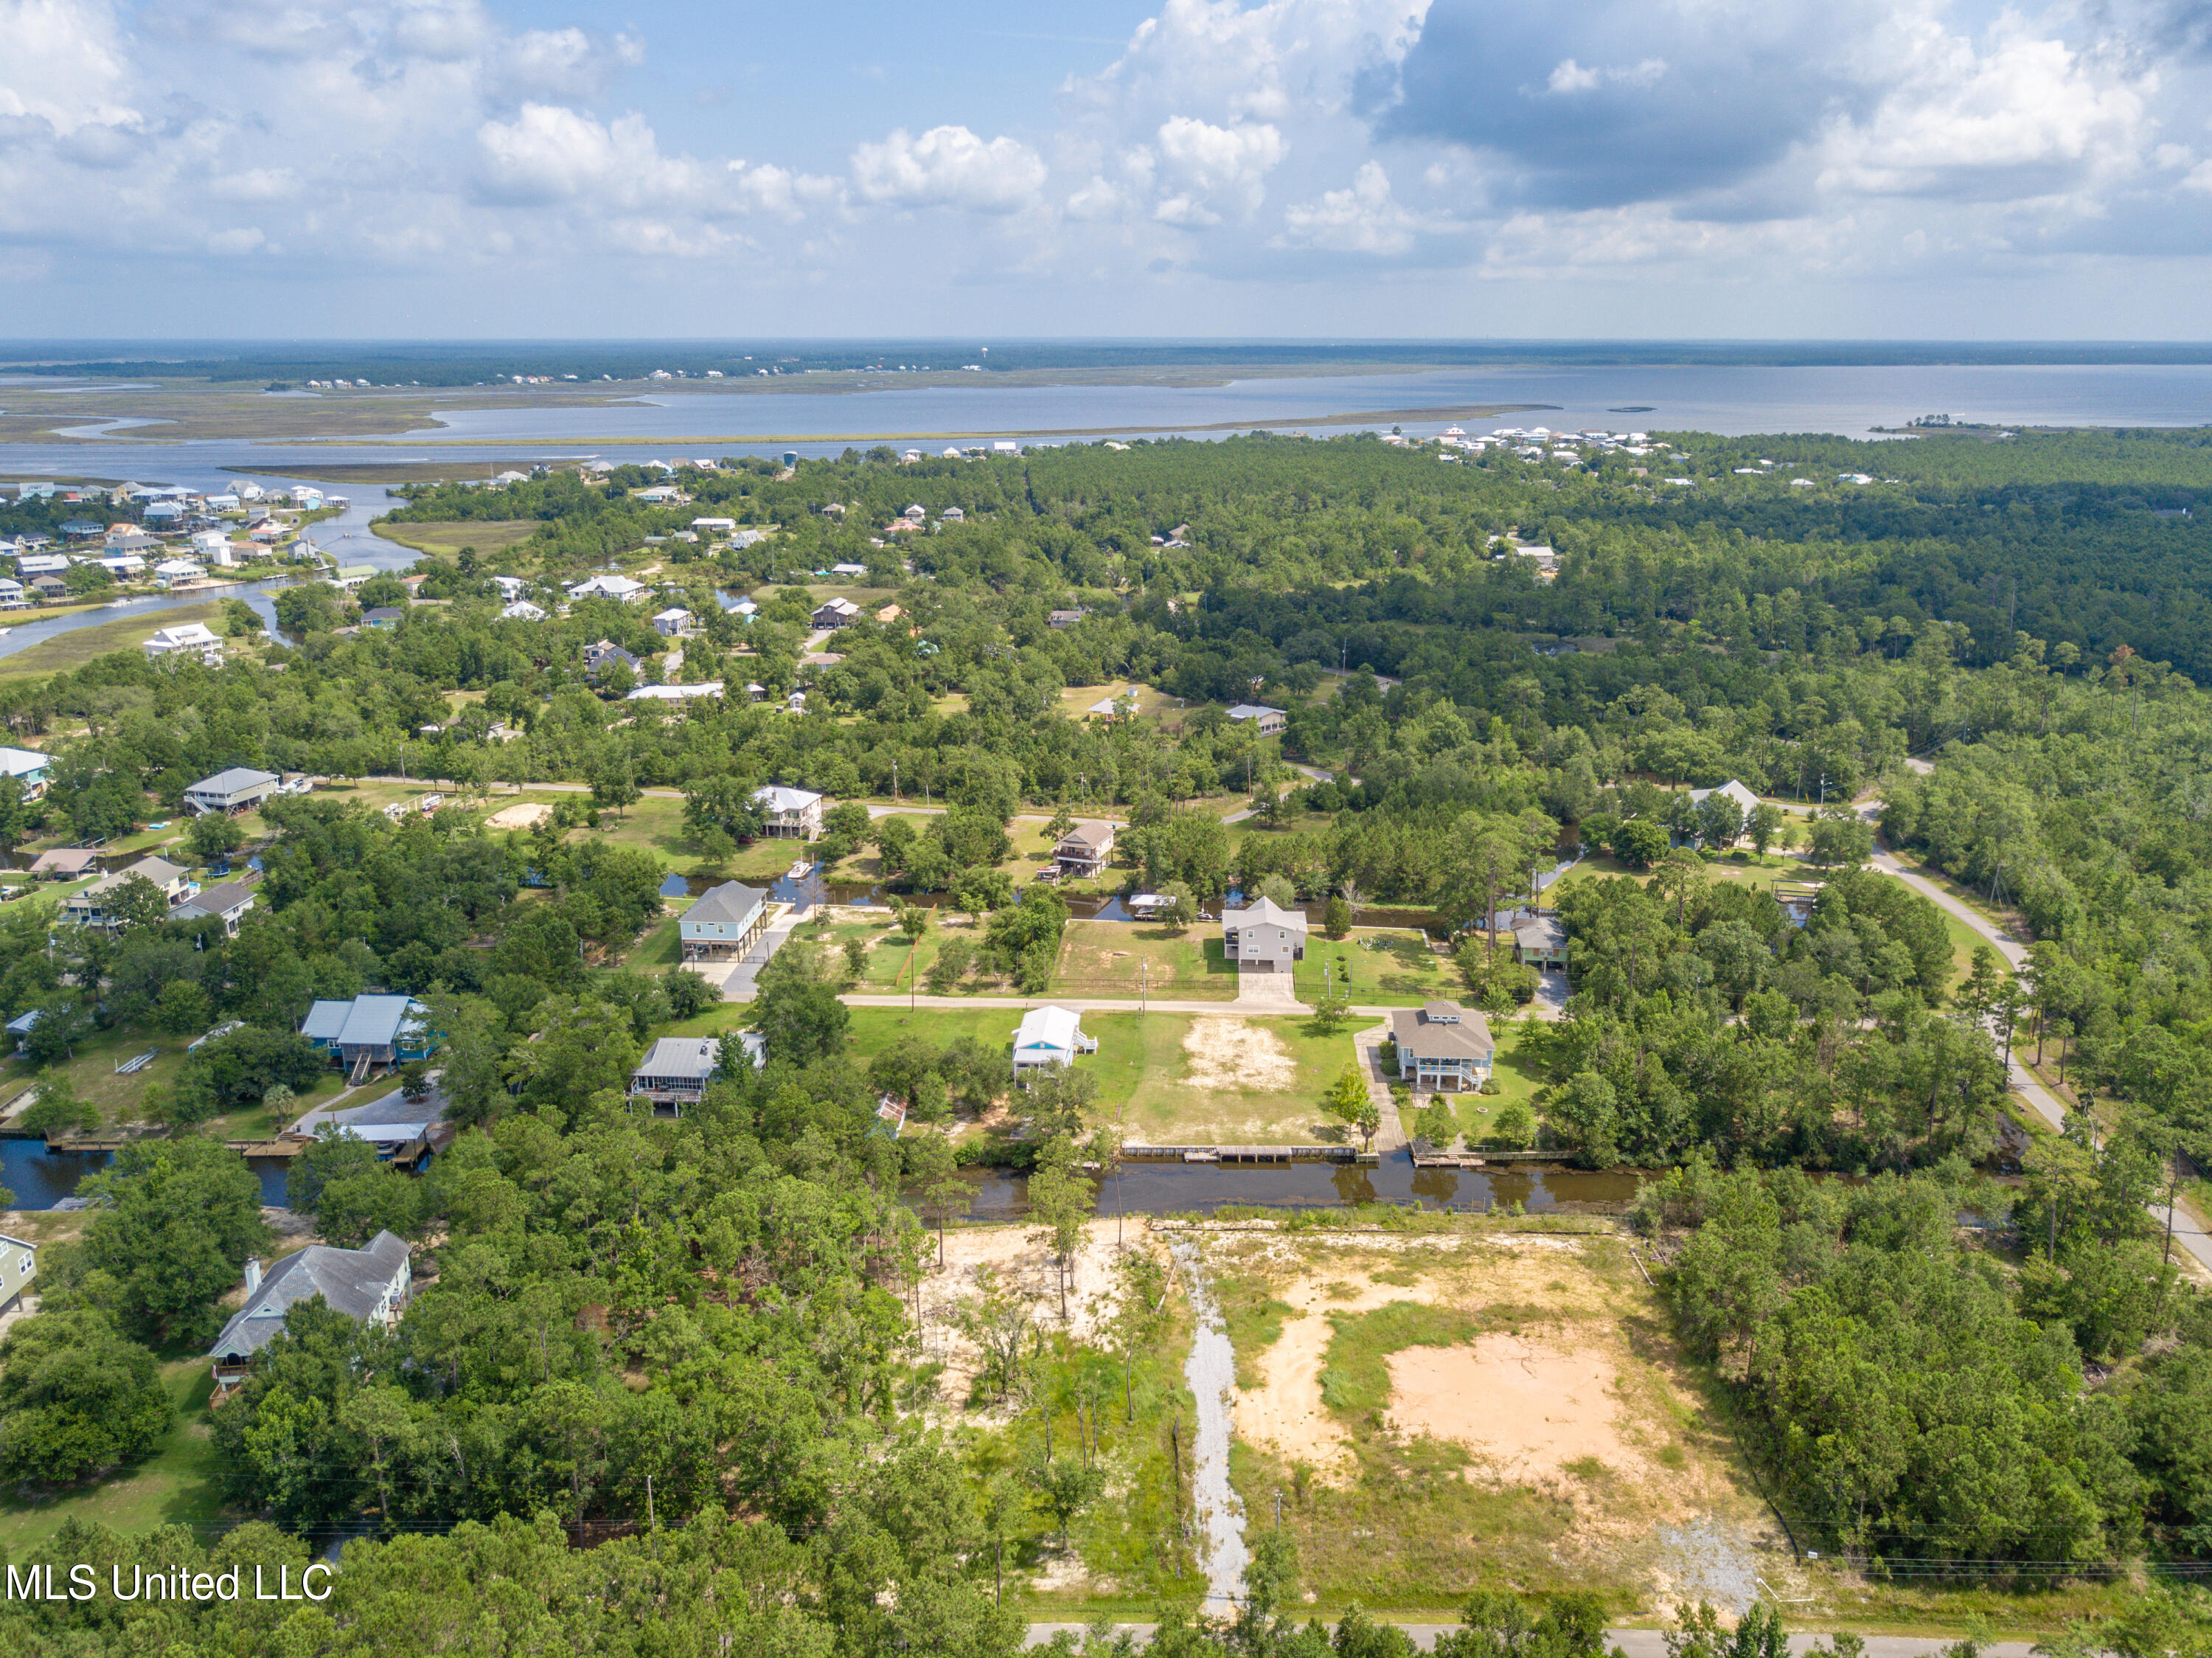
(789, 814)
(724, 924)
(241, 789)
(1442, 1048)
(1264, 937)
(1084, 849)
(1047, 1037)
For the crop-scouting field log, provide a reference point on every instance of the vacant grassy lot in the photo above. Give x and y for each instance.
(1197, 1079)
(1386, 967)
(490, 536)
(173, 1487)
(1115, 958)
(69, 651)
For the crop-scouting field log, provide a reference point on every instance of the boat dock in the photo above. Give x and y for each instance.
(1249, 1155)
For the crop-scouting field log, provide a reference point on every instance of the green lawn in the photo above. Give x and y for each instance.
(1265, 1089)
(173, 1487)
(1386, 967)
(1145, 1073)
(488, 536)
(69, 651)
(1114, 959)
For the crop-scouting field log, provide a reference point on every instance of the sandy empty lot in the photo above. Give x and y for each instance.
(527, 816)
(1229, 1053)
(1525, 1406)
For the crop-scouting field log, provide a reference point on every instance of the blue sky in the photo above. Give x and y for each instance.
(1280, 168)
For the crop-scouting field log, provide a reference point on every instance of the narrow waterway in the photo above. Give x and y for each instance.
(1211, 1373)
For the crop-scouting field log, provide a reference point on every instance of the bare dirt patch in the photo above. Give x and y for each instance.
(1525, 1406)
(526, 815)
(1284, 1414)
(1229, 1053)
(1023, 1267)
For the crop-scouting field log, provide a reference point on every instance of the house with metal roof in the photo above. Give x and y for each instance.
(370, 1286)
(1268, 721)
(724, 924)
(239, 789)
(1049, 1036)
(28, 767)
(789, 814)
(835, 613)
(620, 589)
(194, 638)
(675, 1072)
(1264, 937)
(370, 1031)
(1442, 1048)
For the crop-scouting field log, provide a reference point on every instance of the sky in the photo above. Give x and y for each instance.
(1326, 169)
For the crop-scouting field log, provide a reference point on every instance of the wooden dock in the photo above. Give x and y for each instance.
(1248, 1155)
(285, 1145)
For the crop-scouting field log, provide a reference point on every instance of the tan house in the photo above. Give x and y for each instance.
(1268, 721)
(89, 907)
(1263, 937)
(1083, 850)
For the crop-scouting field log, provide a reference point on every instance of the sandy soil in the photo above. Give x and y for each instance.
(1021, 1260)
(1285, 1413)
(1229, 1053)
(1526, 1407)
(527, 816)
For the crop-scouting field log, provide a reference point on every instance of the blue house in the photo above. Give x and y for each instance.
(370, 1031)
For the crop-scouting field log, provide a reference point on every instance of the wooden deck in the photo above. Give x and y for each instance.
(1248, 1155)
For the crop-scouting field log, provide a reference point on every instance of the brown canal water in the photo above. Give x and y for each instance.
(1202, 1188)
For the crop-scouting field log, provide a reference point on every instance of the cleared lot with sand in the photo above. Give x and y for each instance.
(1444, 1411)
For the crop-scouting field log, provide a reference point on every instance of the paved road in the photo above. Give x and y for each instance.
(1636, 1642)
(2189, 1230)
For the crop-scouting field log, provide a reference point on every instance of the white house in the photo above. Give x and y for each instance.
(192, 638)
(619, 588)
(241, 789)
(1744, 799)
(523, 611)
(672, 622)
(1049, 1036)
(790, 814)
(175, 573)
(1264, 937)
(510, 587)
(1269, 722)
(675, 693)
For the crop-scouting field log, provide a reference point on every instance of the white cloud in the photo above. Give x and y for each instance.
(948, 166)
(1364, 219)
(550, 153)
(62, 63)
(1208, 166)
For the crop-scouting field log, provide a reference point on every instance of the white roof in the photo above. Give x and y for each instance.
(1251, 710)
(613, 584)
(178, 567)
(1735, 791)
(1049, 1027)
(523, 609)
(21, 762)
(674, 693)
(673, 613)
(776, 797)
(191, 633)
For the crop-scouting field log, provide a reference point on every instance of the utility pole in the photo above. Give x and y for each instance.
(895, 794)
